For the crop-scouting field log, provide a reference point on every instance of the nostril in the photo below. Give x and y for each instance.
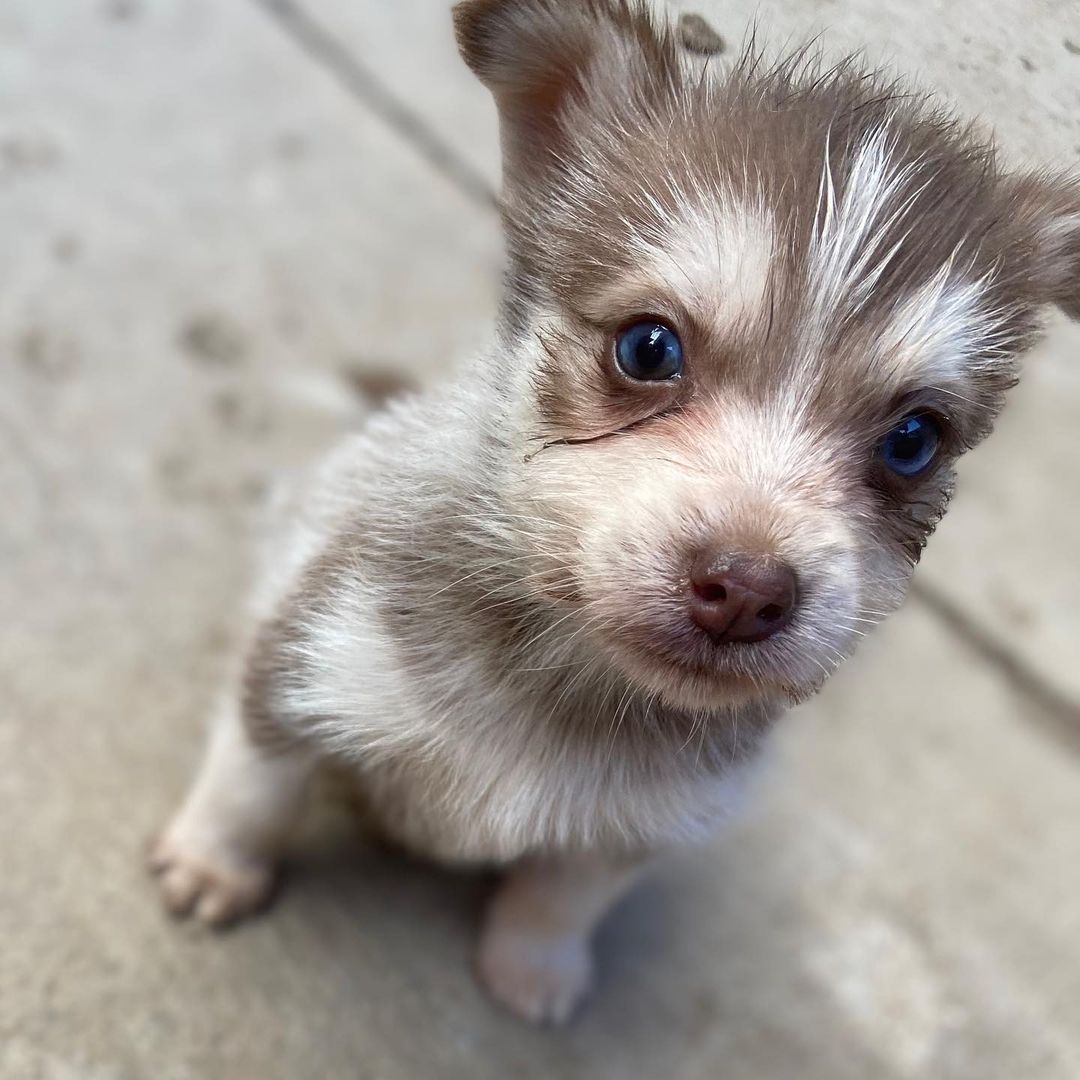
(770, 613)
(711, 593)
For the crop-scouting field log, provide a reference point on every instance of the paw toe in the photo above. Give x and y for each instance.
(212, 890)
(179, 888)
(540, 981)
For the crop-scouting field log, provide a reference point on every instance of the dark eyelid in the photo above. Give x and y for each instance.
(930, 403)
(927, 400)
(647, 317)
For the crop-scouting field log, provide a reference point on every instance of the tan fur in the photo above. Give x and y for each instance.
(479, 609)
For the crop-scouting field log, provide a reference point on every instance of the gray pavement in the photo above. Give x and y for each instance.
(210, 211)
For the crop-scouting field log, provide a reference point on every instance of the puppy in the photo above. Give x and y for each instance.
(547, 613)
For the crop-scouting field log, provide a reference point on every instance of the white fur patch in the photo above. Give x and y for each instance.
(935, 332)
(945, 331)
(716, 260)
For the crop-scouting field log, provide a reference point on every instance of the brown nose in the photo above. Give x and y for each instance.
(741, 597)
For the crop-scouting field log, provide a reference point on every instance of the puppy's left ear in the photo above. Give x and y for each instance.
(1045, 210)
(540, 57)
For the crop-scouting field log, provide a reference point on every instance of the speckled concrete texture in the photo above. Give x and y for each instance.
(211, 214)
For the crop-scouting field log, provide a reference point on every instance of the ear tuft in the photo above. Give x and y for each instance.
(473, 21)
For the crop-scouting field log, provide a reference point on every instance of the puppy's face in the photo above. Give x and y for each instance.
(758, 316)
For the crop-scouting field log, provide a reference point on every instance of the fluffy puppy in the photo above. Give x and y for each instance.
(545, 614)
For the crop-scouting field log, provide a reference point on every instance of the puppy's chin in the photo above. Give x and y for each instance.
(686, 685)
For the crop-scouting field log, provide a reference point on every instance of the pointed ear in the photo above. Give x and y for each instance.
(539, 56)
(1046, 207)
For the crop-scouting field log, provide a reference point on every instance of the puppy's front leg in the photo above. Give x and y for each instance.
(216, 859)
(535, 952)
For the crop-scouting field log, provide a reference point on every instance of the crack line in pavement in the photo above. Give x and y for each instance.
(327, 51)
(1057, 713)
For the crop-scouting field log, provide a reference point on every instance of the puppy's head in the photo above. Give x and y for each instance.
(755, 318)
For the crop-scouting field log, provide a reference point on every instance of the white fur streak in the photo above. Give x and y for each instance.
(846, 256)
(945, 330)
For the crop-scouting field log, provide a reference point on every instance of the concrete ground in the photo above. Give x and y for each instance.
(211, 210)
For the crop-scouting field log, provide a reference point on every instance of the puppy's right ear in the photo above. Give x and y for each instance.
(539, 56)
(1045, 209)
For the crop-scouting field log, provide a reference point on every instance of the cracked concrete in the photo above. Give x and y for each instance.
(207, 222)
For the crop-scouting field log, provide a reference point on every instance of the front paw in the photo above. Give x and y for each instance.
(208, 883)
(540, 979)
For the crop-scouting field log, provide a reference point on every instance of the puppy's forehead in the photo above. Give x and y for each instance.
(846, 272)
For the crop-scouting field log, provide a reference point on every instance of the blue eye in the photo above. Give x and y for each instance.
(912, 445)
(649, 352)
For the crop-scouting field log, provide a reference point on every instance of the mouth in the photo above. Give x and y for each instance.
(687, 669)
(703, 675)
